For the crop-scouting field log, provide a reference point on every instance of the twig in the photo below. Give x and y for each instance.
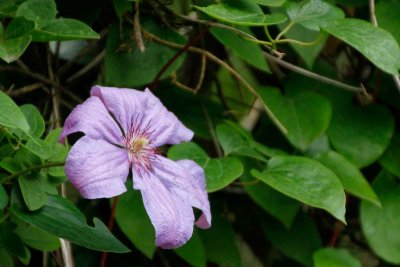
(138, 29)
(312, 75)
(87, 67)
(25, 89)
(224, 65)
(31, 169)
(28, 72)
(110, 227)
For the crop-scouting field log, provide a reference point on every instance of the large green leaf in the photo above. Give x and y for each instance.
(134, 222)
(298, 242)
(41, 12)
(307, 181)
(12, 49)
(352, 179)
(374, 43)
(305, 115)
(220, 243)
(387, 14)
(193, 251)
(10, 114)
(361, 134)
(36, 238)
(64, 29)
(391, 158)
(313, 14)
(333, 257)
(61, 218)
(381, 225)
(219, 172)
(127, 66)
(241, 12)
(38, 147)
(5, 259)
(250, 52)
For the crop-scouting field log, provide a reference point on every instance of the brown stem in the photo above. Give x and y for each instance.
(110, 227)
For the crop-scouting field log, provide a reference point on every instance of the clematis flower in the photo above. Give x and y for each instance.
(123, 128)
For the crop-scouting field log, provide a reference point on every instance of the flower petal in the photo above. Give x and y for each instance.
(92, 118)
(96, 168)
(186, 180)
(171, 217)
(127, 104)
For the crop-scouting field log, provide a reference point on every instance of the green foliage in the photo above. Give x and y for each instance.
(329, 257)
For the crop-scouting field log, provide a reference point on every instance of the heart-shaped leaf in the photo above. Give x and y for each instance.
(305, 115)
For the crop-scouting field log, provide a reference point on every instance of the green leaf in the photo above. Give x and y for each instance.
(64, 29)
(34, 119)
(61, 218)
(37, 238)
(380, 225)
(10, 241)
(134, 222)
(219, 172)
(12, 49)
(220, 243)
(127, 66)
(313, 14)
(10, 114)
(5, 259)
(270, 2)
(391, 158)
(307, 181)
(38, 147)
(352, 179)
(41, 12)
(193, 251)
(275, 203)
(305, 115)
(387, 12)
(332, 257)
(361, 134)
(59, 152)
(248, 51)
(18, 27)
(374, 43)
(8, 8)
(233, 142)
(298, 242)
(241, 12)
(34, 187)
(267, 151)
(3, 197)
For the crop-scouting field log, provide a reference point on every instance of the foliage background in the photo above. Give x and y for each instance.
(295, 108)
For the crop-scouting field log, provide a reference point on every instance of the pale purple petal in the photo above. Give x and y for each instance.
(166, 127)
(96, 168)
(92, 118)
(128, 105)
(185, 179)
(171, 217)
(125, 104)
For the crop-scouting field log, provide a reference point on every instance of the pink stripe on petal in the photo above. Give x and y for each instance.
(92, 118)
(96, 168)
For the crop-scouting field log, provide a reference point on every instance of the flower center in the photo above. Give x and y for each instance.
(138, 145)
(140, 152)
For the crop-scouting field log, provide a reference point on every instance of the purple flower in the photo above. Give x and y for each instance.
(123, 128)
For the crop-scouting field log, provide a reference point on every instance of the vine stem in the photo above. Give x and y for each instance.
(31, 169)
(110, 227)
